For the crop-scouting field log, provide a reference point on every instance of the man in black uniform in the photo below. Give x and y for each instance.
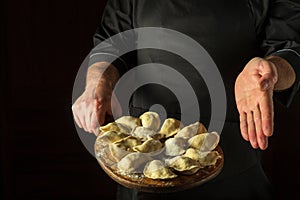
(256, 47)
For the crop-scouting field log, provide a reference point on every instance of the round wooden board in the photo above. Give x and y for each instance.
(142, 183)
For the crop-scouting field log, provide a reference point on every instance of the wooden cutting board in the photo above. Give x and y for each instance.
(139, 182)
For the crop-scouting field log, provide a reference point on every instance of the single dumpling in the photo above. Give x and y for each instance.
(114, 126)
(175, 146)
(128, 143)
(111, 136)
(156, 169)
(194, 154)
(133, 163)
(170, 127)
(205, 141)
(207, 158)
(184, 165)
(150, 120)
(210, 158)
(129, 121)
(143, 133)
(117, 152)
(122, 147)
(148, 146)
(191, 130)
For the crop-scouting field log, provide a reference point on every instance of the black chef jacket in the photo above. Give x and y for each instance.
(232, 32)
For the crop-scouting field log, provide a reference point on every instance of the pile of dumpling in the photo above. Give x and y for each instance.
(144, 146)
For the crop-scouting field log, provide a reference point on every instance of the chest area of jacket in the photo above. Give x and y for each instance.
(218, 25)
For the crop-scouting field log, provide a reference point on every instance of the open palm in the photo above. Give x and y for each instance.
(253, 94)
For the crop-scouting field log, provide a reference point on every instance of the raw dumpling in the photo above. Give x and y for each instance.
(191, 130)
(111, 136)
(133, 163)
(194, 154)
(122, 147)
(156, 169)
(175, 146)
(114, 126)
(117, 152)
(211, 158)
(184, 165)
(204, 158)
(148, 146)
(129, 121)
(150, 120)
(170, 127)
(205, 141)
(143, 133)
(169, 161)
(128, 143)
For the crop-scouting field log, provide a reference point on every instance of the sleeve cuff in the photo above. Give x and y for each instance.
(118, 62)
(293, 57)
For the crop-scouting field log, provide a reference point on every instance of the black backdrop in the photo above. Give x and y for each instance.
(42, 46)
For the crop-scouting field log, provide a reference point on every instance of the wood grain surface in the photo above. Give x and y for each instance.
(142, 183)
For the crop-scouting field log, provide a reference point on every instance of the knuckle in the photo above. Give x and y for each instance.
(76, 108)
(86, 102)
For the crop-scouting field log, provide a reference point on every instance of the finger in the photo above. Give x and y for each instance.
(266, 143)
(251, 130)
(88, 116)
(265, 67)
(261, 138)
(244, 126)
(100, 111)
(83, 121)
(94, 123)
(94, 118)
(268, 75)
(267, 115)
(80, 113)
(96, 132)
(74, 110)
(77, 120)
(265, 82)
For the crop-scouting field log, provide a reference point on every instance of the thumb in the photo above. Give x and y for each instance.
(268, 75)
(264, 84)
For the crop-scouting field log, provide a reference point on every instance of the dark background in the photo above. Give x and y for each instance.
(42, 46)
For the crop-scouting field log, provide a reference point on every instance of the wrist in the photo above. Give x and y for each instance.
(285, 73)
(102, 73)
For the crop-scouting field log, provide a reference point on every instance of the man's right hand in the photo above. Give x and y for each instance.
(98, 100)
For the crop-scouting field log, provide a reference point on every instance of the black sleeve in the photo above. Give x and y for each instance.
(108, 43)
(281, 37)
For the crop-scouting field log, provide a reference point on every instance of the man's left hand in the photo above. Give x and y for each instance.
(253, 94)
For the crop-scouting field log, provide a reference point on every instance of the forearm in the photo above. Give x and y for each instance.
(102, 73)
(286, 74)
